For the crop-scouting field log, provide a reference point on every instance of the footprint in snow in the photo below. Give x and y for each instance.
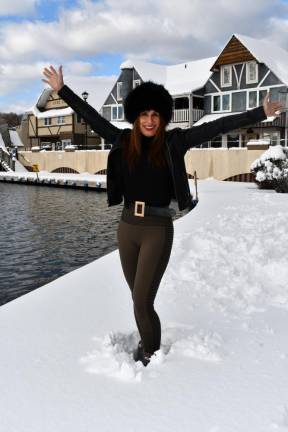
(113, 354)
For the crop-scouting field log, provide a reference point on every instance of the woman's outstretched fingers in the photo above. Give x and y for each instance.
(271, 108)
(53, 78)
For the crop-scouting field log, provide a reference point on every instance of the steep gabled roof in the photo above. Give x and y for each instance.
(178, 79)
(275, 57)
(97, 88)
(246, 48)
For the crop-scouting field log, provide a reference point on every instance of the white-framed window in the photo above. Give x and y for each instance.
(226, 102)
(136, 83)
(47, 121)
(262, 94)
(255, 98)
(117, 112)
(226, 76)
(119, 90)
(60, 120)
(252, 99)
(216, 103)
(251, 72)
(221, 103)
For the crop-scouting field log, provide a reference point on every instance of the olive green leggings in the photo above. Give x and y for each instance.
(144, 246)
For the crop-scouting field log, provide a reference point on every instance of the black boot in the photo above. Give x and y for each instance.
(137, 354)
(140, 354)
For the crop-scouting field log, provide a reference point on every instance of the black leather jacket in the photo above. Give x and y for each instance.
(177, 142)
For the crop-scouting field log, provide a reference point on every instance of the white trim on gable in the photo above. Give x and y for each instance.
(252, 88)
(114, 100)
(238, 79)
(215, 85)
(263, 79)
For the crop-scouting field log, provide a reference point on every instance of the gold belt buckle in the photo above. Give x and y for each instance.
(139, 208)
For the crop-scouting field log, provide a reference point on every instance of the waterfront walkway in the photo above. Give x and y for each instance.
(84, 180)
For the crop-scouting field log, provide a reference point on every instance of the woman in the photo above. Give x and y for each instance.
(146, 167)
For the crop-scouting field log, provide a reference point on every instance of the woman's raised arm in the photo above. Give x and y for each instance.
(98, 123)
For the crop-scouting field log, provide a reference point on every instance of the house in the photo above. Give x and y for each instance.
(241, 76)
(52, 125)
(184, 81)
(204, 90)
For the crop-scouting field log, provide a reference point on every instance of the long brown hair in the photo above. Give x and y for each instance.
(132, 147)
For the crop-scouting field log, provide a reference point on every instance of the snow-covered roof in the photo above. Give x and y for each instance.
(43, 98)
(178, 79)
(189, 76)
(15, 139)
(210, 117)
(275, 57)
(97, 88)
(51, 113)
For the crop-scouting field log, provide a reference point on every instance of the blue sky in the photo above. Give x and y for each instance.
(92, 38)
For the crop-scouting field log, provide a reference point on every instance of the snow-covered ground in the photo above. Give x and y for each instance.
(66, 348)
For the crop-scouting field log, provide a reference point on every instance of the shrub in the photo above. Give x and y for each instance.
(271, 169)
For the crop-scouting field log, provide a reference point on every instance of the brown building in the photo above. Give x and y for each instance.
(52, 125)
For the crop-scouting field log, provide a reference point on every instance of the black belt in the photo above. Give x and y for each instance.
(140, 209)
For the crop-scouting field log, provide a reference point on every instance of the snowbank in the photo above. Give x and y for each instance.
(66, 348)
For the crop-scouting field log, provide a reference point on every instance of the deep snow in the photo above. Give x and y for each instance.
(66, 348)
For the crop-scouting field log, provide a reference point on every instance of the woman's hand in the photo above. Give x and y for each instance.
(54, 78)
(271, 109)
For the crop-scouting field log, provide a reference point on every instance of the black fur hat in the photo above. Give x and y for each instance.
(148, 96)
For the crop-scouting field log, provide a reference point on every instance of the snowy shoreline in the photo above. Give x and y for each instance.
(223, 303)
(83, 180)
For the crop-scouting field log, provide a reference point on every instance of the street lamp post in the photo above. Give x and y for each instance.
(85, 95)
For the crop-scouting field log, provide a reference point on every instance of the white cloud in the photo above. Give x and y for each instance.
(167, 31)
(17, 7)
(15, 76)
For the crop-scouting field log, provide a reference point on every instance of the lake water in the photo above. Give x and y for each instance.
(46, 232)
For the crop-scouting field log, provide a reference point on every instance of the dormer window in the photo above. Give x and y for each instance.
(251, 72)
(226, 76)
(119, 90)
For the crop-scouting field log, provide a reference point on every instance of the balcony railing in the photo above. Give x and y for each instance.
(197, 114)
(182, 115)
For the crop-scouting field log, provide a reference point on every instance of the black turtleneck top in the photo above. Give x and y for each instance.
(146, 182)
